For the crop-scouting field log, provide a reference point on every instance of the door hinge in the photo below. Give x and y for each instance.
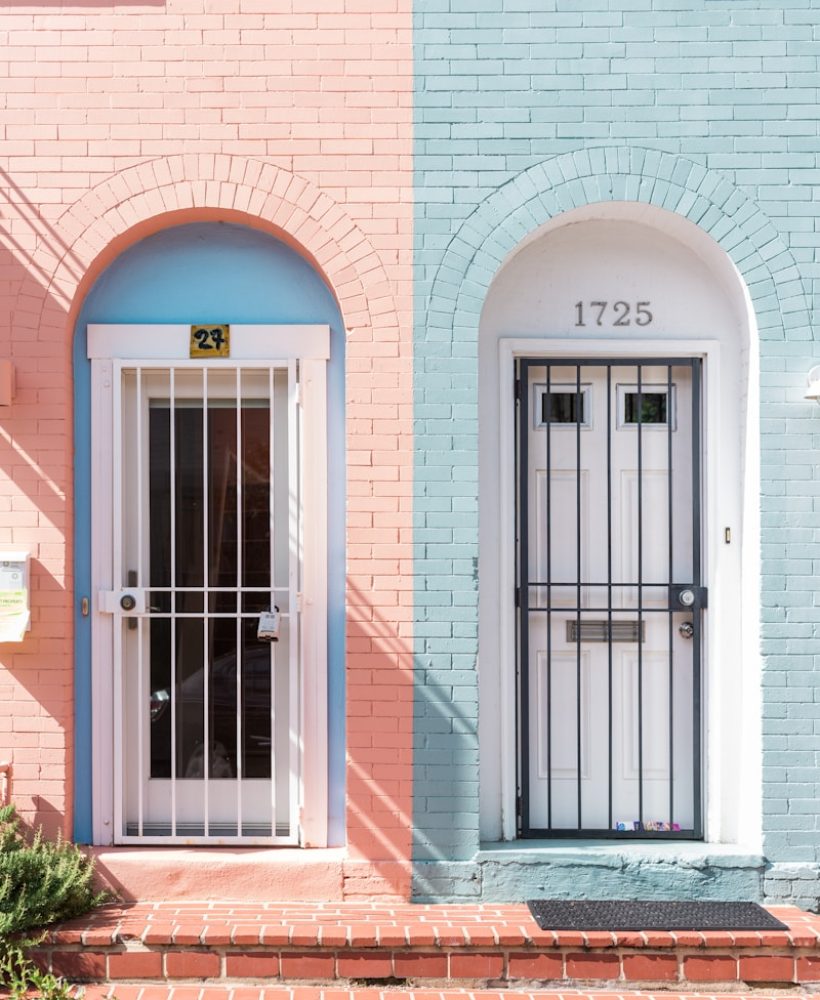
(518, 810)
(517, 389)
(518, 597)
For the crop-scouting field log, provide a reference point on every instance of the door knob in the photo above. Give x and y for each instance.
(686, 629)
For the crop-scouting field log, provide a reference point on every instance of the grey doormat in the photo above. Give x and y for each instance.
(650, 915)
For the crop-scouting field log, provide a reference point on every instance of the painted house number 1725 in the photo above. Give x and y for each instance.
(618, 313)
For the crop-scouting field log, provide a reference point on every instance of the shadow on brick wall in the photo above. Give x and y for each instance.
(379, 751)
(35, 476)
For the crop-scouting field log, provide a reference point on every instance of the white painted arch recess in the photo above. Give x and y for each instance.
(700, 306)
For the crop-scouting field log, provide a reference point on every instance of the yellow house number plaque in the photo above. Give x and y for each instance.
(210, 340)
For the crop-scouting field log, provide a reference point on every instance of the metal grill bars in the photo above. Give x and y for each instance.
(169, 421)
(596, 451)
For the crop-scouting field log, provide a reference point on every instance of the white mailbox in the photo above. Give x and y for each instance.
(15, 615)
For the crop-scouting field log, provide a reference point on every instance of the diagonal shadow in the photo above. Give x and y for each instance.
(35, 462)
(379, 737)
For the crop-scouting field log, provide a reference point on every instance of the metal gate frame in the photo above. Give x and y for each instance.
(114, 346)
(522, 422)
(143, 615)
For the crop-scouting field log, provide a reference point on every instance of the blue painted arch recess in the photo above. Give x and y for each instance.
(238, 275)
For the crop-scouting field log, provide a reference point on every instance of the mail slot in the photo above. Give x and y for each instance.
(606, 631)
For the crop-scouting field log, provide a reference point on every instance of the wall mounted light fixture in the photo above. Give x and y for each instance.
(813, 385)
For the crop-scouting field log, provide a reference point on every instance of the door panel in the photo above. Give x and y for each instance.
(609, 534)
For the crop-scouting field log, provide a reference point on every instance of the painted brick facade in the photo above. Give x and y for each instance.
(117, 122)
(406, 150)
(708, 109)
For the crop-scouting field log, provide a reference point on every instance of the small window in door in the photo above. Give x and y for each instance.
(650, 407)
(563, 406)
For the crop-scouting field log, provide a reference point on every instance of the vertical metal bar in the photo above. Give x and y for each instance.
(609, 584)
(548, 532)
(239, 601)
(120, 708)
(142, 701)
(172, 434)
(640, 596)
(670, 581)
(524, 590)
(578, 404)
(697, 617)
(206, 707)
(294, 582)
(272, 546)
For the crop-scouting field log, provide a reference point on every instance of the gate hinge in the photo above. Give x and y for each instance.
(518, 813)
(518, 388)
(518, 597)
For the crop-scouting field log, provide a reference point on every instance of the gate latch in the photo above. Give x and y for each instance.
(129, 601)
(686, 597)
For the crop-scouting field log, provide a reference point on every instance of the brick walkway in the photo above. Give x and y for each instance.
(411, 946)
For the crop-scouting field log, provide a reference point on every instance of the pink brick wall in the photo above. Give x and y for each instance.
(117, 121)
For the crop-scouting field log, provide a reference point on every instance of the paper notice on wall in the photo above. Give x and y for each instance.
(14, 615)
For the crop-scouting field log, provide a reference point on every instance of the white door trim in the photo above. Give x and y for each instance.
(254, 346)
(720, 620)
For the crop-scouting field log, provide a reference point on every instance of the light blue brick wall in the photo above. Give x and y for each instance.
(524, 109)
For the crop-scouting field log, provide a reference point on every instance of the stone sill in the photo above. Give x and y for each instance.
(615, 854)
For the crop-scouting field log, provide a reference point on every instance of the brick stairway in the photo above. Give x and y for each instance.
(415, 946)
(134, 992)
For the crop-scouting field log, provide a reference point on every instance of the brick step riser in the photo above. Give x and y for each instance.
(638, 968)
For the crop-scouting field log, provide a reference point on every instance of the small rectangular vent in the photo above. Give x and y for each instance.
(606, 631)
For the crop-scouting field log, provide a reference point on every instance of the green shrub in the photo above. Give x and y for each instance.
(40, 882)
(20, 978)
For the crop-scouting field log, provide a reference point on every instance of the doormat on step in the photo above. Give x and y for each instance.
(650, 915)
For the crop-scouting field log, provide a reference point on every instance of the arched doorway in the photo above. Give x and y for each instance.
(628, 330)
(210, 459)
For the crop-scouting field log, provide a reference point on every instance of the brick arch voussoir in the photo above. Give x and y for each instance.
(190, 182)
(708, 199)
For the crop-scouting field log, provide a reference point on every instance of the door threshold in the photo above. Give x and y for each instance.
(601, 851)
(253, 874)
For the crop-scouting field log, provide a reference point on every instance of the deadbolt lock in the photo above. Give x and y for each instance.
(685, 595)
(128, 602)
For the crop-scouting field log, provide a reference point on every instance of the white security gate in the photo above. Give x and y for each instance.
(206, 535)
(610, 597)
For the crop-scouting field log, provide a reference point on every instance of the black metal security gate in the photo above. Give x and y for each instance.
(610, 597)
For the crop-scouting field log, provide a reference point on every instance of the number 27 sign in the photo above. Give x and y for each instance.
(210, 340)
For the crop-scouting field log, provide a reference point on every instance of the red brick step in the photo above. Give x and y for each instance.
(132, 992)
(416, 945)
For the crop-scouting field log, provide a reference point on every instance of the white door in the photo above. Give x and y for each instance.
(205, 516)
(610, 598)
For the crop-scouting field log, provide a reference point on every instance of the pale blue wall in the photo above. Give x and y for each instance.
(238, 275)
(521, 111)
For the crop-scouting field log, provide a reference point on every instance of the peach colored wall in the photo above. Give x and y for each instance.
(118, 120)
